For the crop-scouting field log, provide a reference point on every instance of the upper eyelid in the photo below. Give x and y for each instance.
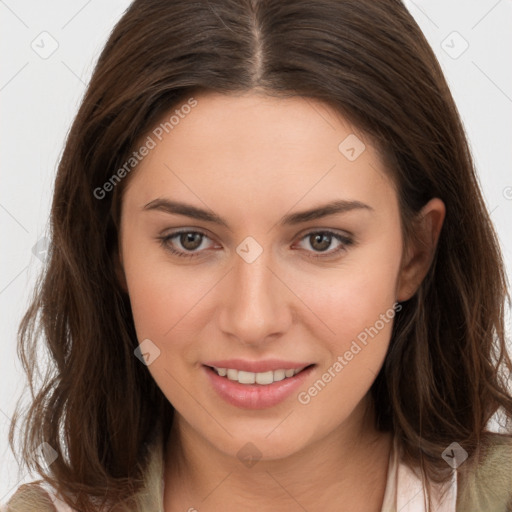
(180, 231)
(342, 232)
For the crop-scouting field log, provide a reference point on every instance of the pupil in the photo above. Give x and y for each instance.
(320, 236)
(189, 237)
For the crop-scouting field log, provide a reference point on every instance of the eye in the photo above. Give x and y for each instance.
(320, 241)
(190, 241)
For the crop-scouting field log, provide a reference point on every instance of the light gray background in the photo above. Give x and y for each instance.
(40, 94)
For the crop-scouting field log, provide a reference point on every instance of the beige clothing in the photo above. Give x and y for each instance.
(403, 493)
(486, 489)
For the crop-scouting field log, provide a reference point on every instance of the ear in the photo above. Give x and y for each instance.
(420, 250)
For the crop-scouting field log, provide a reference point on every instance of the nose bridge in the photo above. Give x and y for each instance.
(256, 305)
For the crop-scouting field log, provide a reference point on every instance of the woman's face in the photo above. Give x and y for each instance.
(268, 287)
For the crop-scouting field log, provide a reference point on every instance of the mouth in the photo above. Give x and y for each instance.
(257, 390)
(258, 378)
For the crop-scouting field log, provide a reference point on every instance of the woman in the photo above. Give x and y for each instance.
(273, 282)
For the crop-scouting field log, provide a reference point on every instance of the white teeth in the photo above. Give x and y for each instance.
(246, 377)
(279, 375)
(232, 374)
(262, 378)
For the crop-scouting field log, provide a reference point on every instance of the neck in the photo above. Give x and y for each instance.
(346, 470)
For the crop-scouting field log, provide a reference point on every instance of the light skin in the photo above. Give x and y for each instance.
(252, 159)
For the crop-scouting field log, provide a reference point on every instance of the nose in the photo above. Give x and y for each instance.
(257, 305)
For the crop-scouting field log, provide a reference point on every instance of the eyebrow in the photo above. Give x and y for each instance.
(331, 208)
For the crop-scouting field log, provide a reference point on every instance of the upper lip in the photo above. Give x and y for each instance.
(266, 365)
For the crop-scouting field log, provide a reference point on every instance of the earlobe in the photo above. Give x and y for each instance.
(421, 249)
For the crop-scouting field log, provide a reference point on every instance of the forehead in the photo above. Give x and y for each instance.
(255, 121)
(242, 146)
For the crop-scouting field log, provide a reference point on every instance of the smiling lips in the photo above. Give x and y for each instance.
(258, 384)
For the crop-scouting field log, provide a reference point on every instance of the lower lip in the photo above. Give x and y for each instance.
(255, 396)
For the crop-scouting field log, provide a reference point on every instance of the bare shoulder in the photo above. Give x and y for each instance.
(30, 498)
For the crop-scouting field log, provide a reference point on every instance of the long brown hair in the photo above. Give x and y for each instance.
(96, 403)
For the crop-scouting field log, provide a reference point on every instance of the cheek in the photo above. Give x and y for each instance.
(163, 297)
(360, 310)
(166, 306)
(351, 297)
(357, 303)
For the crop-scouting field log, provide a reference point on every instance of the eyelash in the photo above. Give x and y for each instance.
(345, 241)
